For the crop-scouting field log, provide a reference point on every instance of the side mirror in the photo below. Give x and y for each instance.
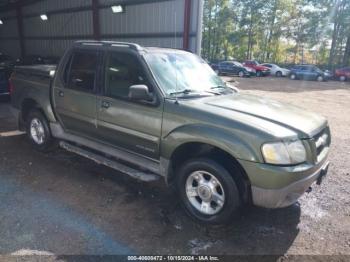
(140, 93)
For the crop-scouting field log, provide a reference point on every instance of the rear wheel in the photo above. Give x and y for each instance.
(208, 191)
(38, 131)
(342, 78)
(279, 74)
(258, 73)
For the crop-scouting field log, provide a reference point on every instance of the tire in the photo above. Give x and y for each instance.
(241, 74)
(293, 76)
(342, 78)
(198, 177)
(320, 79)
(38, 131)
(258, 73)
(217, 72)
(279, 74)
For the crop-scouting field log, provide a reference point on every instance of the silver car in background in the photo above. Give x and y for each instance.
(276, 70)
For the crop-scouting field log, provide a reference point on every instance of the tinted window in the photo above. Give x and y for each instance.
(66, 70)
(123, 70)
(83, 71)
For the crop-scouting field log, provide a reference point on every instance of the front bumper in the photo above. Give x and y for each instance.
(288, 195)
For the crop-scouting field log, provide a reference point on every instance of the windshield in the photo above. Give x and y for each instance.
(238, 64)
(183, 73)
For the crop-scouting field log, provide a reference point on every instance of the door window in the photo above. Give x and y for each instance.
(82, 75)
(122, 71)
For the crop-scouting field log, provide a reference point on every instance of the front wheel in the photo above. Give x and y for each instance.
(241, 74)
(208, 191)
(38, 131)
(293, 77)
(320, 78)
(258, 73)
(342, 78)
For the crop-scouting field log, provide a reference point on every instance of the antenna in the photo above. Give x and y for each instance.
(175, 30)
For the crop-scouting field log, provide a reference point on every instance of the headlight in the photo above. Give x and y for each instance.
(284, 153)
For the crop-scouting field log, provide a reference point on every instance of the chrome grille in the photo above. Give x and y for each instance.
(322, 141)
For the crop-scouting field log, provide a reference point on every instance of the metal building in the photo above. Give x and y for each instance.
(48, 27)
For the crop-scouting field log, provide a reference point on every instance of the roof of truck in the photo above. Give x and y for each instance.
(134, 46)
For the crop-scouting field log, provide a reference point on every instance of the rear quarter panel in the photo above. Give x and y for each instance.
(27, 87)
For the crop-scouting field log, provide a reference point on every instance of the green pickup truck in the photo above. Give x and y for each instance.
(156, 112)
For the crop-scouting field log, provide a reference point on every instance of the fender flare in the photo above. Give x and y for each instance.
(198, 133)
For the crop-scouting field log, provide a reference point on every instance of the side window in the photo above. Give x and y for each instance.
(122, 71)
(83, 71)
(66, 70)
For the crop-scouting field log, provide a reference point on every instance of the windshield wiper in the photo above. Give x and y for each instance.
(231, 88)
(185, 92)
(219, 87)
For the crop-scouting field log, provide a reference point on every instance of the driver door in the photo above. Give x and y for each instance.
(134, 126)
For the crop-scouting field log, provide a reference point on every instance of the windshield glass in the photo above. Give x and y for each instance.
(238, 64)
(183, 73)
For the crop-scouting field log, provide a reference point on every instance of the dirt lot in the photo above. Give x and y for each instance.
(60, 203)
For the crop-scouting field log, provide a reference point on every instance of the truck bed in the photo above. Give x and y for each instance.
(41, 71)
(32, 82)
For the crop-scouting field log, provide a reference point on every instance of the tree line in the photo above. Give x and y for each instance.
(280, 31)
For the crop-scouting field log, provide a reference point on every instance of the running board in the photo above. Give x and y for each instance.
(146, 177)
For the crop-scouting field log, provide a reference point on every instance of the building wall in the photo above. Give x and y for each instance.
(149, 23)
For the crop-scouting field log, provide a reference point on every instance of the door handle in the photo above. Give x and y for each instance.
(105, 104)
(60, 93)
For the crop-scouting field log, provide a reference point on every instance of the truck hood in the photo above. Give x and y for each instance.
(288, 116)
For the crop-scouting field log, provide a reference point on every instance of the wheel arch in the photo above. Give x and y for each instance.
(189, 150)
(27, 105)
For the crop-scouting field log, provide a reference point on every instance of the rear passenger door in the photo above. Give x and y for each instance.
(309, 73)
(75, 101)
(133, 126)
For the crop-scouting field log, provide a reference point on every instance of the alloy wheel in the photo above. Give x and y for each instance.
(205, 192)
(37, 131)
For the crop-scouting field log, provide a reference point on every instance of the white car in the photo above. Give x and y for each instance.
(276, 70)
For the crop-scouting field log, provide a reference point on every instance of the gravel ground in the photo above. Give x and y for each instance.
(60, 203)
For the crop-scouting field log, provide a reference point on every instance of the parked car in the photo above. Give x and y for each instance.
(29, 60)
(343, 74)
(276, 70)
(259, 69)
(162, 113)
(308, 72)
(232, 68)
